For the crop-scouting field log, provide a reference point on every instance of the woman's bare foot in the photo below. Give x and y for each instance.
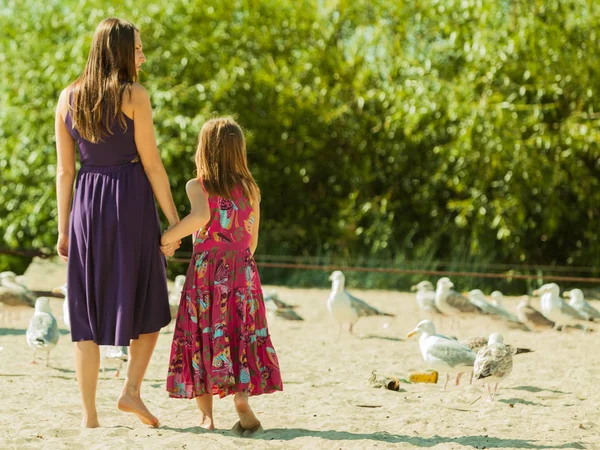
(248, 424)
(90, 422)
(130, 401)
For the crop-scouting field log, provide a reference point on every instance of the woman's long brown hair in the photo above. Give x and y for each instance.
(221, 160)
(110, 70)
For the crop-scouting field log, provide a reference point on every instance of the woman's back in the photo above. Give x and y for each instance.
(114, 149)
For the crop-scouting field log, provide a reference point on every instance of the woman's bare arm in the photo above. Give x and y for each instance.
(65, 171)
(148, 151)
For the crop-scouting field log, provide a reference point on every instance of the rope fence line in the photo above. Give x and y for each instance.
(521, 267)
(331, 268)
(398, 271)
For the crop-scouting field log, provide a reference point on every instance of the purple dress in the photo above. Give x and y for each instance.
(116, 274)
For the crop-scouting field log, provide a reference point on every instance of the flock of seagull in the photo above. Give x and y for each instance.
(488, 359)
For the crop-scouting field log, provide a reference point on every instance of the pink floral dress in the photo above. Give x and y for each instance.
(221, 344)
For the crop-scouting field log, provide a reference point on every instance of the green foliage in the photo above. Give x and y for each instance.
(451, 130)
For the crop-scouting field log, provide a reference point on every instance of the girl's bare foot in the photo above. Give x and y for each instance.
(206, 422)
(130, 401)
(248, 424)
(90, 422)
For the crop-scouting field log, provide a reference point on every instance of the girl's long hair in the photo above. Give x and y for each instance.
(109, 72)
(221, 160)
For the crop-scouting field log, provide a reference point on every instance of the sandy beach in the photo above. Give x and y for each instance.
(551, 399)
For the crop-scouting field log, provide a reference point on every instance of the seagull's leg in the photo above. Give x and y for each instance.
(118, 372)
(350, 328)
(47, 358)
(489, 393)
(471, 378)
(494, 394)
(34, 352)
(447, 379)
(458, 375)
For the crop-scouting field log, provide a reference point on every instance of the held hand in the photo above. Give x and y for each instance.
(62, 246)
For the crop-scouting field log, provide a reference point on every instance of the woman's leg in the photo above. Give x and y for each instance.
(140, 353)
(87, 365)
(205, 405)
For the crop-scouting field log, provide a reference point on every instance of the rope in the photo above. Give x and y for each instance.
(331, 268)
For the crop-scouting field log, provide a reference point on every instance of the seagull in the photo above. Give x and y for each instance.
(442, 353)
(346, 308)
(498, 302)
(175, 296)
(111, 353)
(66, 317)
(478, 299)
(555, 308)
(528, 314)
(477, 343)
(494, 362)
(12, 292)
(278, 307)
(581, 305)
(450, 302)
(426, 297)
(42, 332)
(495, 308)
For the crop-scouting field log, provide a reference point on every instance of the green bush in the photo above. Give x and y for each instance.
(462, 131)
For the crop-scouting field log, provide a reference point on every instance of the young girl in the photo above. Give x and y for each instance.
(221, 343)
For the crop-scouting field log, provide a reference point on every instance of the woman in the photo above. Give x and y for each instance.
(116, 275)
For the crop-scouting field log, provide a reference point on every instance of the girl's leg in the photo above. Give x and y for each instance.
(140, 353)
(87, 364)
(205, 405)
(248, 423)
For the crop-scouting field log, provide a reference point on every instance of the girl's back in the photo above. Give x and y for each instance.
(230, 224)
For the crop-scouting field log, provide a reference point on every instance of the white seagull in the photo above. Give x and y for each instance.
(42, 333)
(345, 308)
(66, 316)
(175, 296)
(580, 304)
(494, 362)
(113, 354)
(442, 353)
(14, 293)
(528, 314)
(450, 302)
(426, 297)
(555, 308)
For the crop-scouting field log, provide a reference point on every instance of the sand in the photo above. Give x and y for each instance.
(550, 400)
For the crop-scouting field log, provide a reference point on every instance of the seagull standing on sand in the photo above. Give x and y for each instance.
(450, 302)
(42, 333)
(345, 308)
(498, 302)
(277, 307)
(494, 362)
(528, 314)
(66, 318)
(175, 296)
(14, 293)
(426, 297)
(113, 354)
(442, 353)
(581, 305)
(555, 308)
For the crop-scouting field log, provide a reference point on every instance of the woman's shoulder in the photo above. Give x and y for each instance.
(138, 93)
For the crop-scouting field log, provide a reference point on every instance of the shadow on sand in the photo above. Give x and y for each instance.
(289, 434)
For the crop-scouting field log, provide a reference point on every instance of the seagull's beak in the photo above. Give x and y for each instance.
(567, 294)
(413, 288)
(536, 292)
(57, 290)
(412, 333)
